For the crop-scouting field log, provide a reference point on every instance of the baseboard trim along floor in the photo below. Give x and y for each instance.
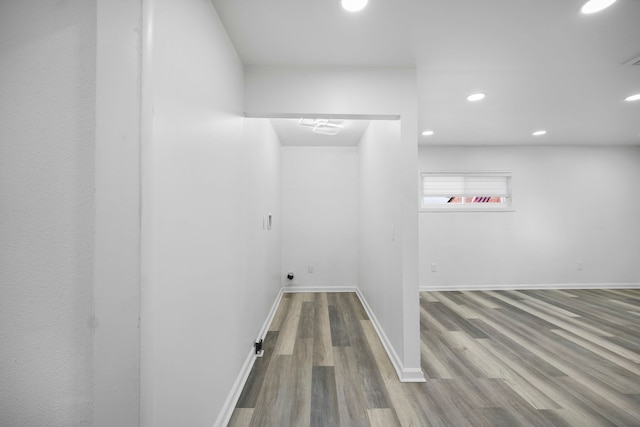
(295, 289)
(525, 286)
(232, 399)
(405, 375)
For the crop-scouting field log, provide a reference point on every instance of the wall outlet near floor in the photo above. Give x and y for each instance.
(434, 267)
(310, 268)
(580, 265)
(258, 346)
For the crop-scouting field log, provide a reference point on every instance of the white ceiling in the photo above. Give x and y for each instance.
(542, 63)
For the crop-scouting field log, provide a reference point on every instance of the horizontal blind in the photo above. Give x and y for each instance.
(486, 186)
(445, 185)
(438, 185)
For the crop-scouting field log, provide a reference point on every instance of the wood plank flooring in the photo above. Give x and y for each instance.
(494, 358)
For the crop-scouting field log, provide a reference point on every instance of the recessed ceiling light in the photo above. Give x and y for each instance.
(539, 132)
(475, 97)
(428, 133)
(635, 97)
(593, 6)
(354, 5)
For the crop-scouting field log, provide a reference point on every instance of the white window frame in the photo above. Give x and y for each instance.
(505, 206)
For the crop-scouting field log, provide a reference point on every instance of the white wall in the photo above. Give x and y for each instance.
(367, 91)
(380, 219)
(213, 273)
(263, 247)
(320, 215)
(571, 204)
(47, 82)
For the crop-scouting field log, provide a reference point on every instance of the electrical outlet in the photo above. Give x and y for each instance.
(310, 268)
(434, 267)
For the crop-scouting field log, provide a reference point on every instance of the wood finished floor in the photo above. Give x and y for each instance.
(495, 358)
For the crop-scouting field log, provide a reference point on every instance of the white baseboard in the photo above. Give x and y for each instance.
(232, 399)
(405, 375)
(537, 286)
(295, 289)
(270, 316)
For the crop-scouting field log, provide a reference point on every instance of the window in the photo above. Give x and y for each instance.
(466, 191)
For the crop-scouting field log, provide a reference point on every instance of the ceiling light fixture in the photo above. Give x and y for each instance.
(593, 6)
(476, 97)
(428, 133)
(631, 98)
(323, 126)
(354, 5)
(539, 133)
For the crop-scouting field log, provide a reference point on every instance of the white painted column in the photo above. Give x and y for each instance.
(410, 277)
(117, 227)
(147, 296)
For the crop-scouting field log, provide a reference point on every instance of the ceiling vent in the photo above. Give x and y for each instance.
(634, 61)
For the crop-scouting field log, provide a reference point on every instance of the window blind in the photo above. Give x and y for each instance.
(457, 185)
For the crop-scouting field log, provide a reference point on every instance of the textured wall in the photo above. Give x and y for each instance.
(47, 77)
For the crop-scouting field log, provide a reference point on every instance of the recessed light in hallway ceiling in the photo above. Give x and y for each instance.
(593, 6)
(476, 97)
(539, 133)
(428, 133)
(354, 5)
(635, 97)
